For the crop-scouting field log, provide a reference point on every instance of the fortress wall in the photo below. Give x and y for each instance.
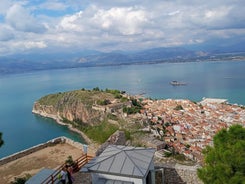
(177, 174)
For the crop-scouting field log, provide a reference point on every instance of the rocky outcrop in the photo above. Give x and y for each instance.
(72, 112)
(80, 106)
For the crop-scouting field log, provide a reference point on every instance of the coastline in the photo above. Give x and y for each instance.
(59, 121)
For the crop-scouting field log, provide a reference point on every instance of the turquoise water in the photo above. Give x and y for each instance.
(22, 129)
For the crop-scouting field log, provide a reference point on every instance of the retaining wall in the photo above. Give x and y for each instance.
(177, 174)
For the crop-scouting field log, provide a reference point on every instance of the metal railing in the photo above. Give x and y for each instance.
(79, 163)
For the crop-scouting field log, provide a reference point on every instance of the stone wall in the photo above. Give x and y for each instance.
(178, 174)
(38, 147)
(118, 138)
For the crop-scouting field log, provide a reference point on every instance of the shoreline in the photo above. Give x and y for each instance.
(123, 64)
(58, 121)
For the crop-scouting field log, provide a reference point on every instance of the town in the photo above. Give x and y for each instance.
(188, 127)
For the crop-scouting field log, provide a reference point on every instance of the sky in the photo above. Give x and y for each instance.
(108, 25)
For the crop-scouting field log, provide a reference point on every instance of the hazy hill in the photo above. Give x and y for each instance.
(70, 59)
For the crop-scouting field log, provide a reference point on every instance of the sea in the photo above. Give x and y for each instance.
(22, 129)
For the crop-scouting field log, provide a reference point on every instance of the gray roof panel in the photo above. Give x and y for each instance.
(122, 160)
(40, 176)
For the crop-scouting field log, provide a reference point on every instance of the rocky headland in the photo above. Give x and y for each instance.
(81, 109)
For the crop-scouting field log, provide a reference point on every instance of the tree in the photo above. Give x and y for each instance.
(1, 140)
(224, 163)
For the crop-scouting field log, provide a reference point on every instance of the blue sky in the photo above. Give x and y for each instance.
(106, 25)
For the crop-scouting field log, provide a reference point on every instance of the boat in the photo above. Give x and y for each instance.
(176, 83)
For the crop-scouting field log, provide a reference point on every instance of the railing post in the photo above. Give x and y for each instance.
(52, 179)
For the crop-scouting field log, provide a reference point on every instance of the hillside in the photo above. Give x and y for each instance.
(95, 112)
(80, 105)
(27, 62)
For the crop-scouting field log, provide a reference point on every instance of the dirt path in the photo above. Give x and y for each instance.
(50, 157)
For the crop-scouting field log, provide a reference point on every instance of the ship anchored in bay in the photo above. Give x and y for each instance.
(178, 83)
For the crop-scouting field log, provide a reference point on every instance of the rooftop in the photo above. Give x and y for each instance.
(122, 160)
(212, 100)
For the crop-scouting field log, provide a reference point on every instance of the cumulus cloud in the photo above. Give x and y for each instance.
(121, 24)
(72, 22)
(21, 19)
(126, 21)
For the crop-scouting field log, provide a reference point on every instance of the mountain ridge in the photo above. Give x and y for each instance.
(27, 62)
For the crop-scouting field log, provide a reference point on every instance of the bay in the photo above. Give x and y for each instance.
(21, 129)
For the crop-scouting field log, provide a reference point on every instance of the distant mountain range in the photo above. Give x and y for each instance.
(43, 60)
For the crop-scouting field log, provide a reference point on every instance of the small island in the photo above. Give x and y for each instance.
(176, 127)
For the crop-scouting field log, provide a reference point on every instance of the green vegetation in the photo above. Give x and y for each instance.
(87, 97)
(112, 117)
(224, 163)
(69, 160)
(168, 154)
(113, 91)
(101, 132)
(21, 180)
(103, 102)
(51, 99)
(127, 134)
(96, 89)
(131, 110)
(66, 98)
(136, 107)
(178, 107)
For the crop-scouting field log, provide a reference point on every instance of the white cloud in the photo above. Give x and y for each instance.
(174, 13)
(126, 21)
(71, 22)
(4, 6)
(20, 19)
(121, 24)
(5, 33)
(20, 46)
(31, 44)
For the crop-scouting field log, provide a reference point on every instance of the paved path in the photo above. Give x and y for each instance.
(83, 178)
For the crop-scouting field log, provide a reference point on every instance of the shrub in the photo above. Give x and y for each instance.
(21, 180)
(178, 107)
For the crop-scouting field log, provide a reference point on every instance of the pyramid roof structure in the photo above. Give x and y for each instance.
(122, 160)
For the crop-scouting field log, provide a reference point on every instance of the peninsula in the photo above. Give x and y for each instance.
(179, 125)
